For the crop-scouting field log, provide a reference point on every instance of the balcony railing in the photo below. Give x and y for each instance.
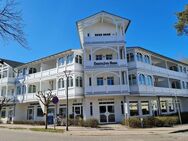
(160, 70)
(105, 89)
(162, 91)
(103, 39)
(105, 63)
(7, 80)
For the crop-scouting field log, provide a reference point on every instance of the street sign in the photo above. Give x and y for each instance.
(55, 100)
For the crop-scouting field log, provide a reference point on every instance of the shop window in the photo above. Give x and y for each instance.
(39, 112)
(133, 107)
(163, 106)
(145, 107)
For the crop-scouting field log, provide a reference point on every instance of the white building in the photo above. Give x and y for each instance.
(108, 80)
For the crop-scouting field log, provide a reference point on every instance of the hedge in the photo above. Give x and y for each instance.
(148, 122)
(29, 122)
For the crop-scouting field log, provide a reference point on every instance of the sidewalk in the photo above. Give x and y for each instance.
(105, 130)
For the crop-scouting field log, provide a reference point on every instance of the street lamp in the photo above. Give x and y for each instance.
(67, 75)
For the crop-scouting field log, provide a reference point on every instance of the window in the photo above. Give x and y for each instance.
(122, 108)
(133, 107)
(163, 105)
(5, 74)
(98, 34)
(149, 80)
(91, 108)
(70, 81)
(78, 81)
(130, 57)
(87, 34)
(61, 61)
(70, 58)
(186, 85)
(183, 85)
(109, 57)
(132, 79)
(61, 83)
(32, 89)
(171, 106)
(139, 57)
(90, 82)
(89, 56)
(145, 107)
(62, 112)
(3, 113)
(39, 112)
(98, 57)
(32, 70)
(78, 59)
(146, 59)
(100, 81)
(18, 90)
(23, 89)
(142, 79)
(184, 69)
(110, 80)
(180, 68)
(106, 34)
(24, 71)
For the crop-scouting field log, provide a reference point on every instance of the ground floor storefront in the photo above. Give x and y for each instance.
(108, 109)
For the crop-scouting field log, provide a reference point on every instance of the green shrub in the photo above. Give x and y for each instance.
(166, 121)
(133, 122)
(148, 122)
(29, 122)
(91, 123)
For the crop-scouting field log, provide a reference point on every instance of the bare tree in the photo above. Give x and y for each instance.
(11, 27)
(45, 98)
(3, 102)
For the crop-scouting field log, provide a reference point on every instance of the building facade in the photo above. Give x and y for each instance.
(108, 81)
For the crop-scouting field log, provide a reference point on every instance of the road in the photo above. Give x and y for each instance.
(25, 135)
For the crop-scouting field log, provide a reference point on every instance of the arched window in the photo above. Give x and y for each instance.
(70, 58)
(32, 89)
(139, 57)
(78, 59)
(130, 57)
(142, 79)
(61, 61)
(23, 89)
(32, 70)
(149, 80)
(146, 59)
(61, 83)
(70, 81)
(78, 81)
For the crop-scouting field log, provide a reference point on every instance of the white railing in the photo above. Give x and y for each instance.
(104, 39)
(105, 63)
(106, 89)
(7, 80)
(163, 91)
(159, 70)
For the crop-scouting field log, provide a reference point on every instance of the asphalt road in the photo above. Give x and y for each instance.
(25, 135)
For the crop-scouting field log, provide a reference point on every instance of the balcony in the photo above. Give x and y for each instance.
(7, 80)
(105, 63)
(107, 89)
(161, 91)
(159, 70)
(104, 39)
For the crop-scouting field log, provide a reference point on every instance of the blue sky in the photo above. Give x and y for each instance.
(50, 26)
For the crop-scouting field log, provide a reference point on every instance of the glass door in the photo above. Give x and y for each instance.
(30, 114)
(107, 113)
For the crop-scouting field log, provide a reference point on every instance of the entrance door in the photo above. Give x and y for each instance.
(30, 114)
(10, 115)
(107, 113)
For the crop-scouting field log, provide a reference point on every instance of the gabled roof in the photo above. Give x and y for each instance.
(157, 54)
(11, 62)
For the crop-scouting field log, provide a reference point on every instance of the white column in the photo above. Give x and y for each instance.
(6, 91)
(118, 55)
(120, 79)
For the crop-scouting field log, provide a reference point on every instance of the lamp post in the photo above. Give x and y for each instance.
(67, 74)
